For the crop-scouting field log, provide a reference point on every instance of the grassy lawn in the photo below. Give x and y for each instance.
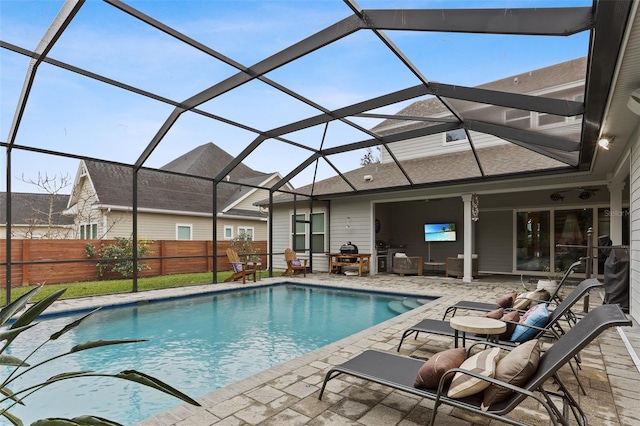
(94, 288)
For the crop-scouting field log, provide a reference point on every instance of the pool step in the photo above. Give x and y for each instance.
(405, 305)
(411, 303)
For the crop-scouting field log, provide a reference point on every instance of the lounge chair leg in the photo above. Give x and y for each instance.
(449, 309)
(330, 375)
(405, 335)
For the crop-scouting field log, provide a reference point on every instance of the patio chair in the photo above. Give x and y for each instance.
(488, 307)
(443, 328)
(294, 265)
(240, 269)
(399, 372)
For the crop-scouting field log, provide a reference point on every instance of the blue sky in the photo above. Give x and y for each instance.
(71, 113)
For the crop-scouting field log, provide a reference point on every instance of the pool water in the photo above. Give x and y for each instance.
(196, 344)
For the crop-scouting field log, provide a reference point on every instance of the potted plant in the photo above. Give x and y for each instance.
(551, 282)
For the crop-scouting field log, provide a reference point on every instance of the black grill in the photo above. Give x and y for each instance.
(348, 248)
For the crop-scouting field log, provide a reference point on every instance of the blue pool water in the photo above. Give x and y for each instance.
(196, 344)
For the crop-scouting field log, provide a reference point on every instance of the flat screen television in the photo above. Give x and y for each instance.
(444, 231)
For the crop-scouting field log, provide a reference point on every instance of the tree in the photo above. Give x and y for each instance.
(45, 217)
(369, 157)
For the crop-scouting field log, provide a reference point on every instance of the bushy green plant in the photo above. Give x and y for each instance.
(118, 256)
(10, 397)
(243, 245)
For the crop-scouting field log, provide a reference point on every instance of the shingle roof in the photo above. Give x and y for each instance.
(166, 191)
(33, 209)
(495, 160)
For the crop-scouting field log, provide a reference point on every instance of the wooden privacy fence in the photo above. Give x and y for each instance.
(64, 261)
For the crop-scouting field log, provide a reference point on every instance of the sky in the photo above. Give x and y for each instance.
(68, 112)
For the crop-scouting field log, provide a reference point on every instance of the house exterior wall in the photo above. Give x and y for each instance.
(634, 280)
(494, 239)
(257, 195)
(37, 232)
(283, 235)
(401, 224)
(156, 226)
(437, 145)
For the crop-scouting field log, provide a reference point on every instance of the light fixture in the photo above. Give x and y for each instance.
(556, 196)
(634, 102)
(604, 143)
(585, 195)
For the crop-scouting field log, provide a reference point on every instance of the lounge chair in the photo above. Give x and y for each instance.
(488, 307)
(443, 328)
(400, 372)
(240, 269)
(294, 265)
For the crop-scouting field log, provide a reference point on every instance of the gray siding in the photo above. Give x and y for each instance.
(494, 241)
(635, 228)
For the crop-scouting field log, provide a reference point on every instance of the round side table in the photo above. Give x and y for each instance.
(480, 325)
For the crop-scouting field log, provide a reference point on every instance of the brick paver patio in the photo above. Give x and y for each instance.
(288, 394)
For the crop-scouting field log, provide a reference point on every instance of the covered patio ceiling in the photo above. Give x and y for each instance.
(304, 100)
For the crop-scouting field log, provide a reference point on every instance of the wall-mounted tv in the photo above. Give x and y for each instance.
(445, 231)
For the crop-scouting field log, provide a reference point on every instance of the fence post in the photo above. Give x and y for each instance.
(26, 249)
(163, 262)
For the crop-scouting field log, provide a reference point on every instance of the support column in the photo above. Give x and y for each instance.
(468, 238)
(615, 212)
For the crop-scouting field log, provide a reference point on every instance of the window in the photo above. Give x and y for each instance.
(228, 232)
(518, 118)
(89, 231)
(317, 233)
(457, 135)
(247, 232)
(298, 232)
(533, 245)
(183, 232)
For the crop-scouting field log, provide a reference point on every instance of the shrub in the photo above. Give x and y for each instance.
(243, 245)
(118, 256)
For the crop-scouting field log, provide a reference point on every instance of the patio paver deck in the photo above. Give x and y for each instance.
(287, 394)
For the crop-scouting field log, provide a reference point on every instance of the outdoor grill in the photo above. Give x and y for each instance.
(348, 248)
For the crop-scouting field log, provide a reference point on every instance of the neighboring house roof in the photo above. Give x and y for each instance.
(113, 183)
(530, 82)
(33, 209)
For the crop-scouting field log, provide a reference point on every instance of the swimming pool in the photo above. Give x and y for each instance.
(196, 344)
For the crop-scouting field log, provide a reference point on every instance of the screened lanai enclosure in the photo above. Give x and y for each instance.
(303, 96)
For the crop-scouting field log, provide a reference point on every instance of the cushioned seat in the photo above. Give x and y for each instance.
(455, 266)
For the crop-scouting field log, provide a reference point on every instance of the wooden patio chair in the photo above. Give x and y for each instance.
(240, 269)
(294, 265)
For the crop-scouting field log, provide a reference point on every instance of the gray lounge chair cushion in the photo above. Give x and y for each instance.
(434, 368)
(482, 363)
(538, 316)
(516, 368)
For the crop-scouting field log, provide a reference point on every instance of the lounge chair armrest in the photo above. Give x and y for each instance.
(444, 379)
(487, 343)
